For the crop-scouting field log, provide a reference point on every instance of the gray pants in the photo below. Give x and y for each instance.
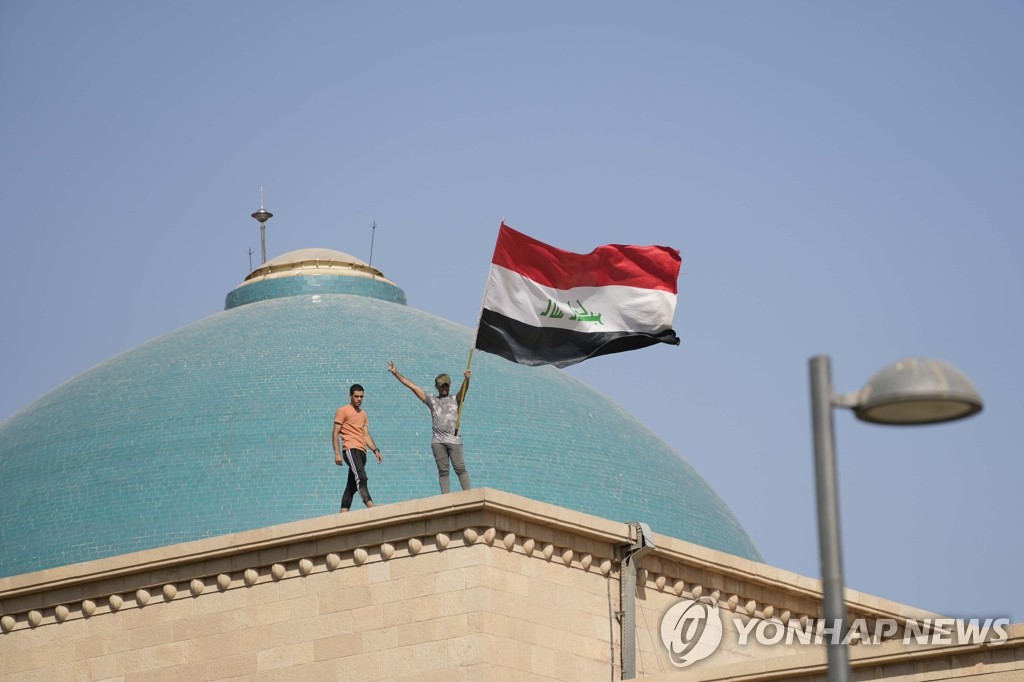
(442, 453)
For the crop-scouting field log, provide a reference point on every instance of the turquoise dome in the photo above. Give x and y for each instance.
(224, 425)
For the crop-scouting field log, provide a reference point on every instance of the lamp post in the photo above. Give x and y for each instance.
(908, 392)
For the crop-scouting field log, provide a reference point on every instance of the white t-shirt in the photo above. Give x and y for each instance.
(443, 412)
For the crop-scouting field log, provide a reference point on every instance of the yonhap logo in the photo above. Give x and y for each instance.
(691, 631)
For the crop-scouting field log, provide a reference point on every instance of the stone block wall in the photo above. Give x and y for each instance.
(480, 585)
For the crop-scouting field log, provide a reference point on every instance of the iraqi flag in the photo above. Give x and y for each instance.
(546, 306)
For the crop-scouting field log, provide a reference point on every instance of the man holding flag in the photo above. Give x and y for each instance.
(546, 306)
(446, 444)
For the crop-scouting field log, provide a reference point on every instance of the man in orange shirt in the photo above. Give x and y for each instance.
(352, 424)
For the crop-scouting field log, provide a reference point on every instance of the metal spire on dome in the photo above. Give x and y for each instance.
(262, 216)
(372, 235)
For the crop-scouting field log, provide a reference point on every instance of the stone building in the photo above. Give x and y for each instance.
(176, 518)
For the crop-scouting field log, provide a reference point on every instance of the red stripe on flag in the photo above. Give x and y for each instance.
(645, 267)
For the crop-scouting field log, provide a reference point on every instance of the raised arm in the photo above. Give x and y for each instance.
(465, 386)
(405, 382)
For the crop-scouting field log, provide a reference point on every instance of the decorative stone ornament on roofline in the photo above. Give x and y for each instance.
(481, 515)
(479, 584)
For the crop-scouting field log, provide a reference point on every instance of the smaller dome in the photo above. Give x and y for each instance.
(314, 271)
(315, 261)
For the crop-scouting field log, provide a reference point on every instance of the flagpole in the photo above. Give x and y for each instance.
(480, 315)
(464, 390)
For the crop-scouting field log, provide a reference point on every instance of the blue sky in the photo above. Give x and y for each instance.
(840, 179)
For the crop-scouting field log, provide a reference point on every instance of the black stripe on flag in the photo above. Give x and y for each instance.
(528, 345)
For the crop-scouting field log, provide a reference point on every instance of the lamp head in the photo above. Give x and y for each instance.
(262, 215)
(917, 391)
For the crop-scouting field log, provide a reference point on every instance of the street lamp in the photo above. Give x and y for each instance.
(908, 392)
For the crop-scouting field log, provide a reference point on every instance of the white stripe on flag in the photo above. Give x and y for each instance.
(622, 309)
